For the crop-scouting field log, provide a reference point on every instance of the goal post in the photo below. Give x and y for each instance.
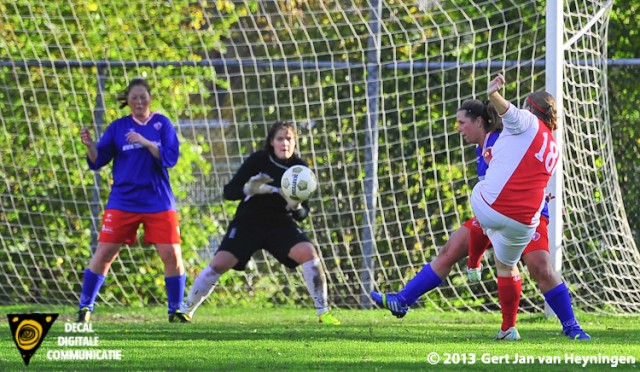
(553, 83)
(373, 87)
(371, 155)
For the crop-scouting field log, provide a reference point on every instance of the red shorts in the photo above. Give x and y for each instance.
(122, 227)
(540, 240)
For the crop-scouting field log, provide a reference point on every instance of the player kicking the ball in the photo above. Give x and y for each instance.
(480, 124)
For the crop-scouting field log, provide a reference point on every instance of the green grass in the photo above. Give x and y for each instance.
(275, 339)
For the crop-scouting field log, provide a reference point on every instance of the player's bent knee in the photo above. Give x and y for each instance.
(223, 262)
(543, 273)
(220, 268)
(302, 252)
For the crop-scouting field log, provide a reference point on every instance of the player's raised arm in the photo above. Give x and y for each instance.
(515, 120)
(501, 104)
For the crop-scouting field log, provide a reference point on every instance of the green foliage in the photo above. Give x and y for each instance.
(46, 192)
(46, 189)
(624, 96)
(418, 148)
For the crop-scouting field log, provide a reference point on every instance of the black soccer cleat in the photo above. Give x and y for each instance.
(179, 317)
(84, 315)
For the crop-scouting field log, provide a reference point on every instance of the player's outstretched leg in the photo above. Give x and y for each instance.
(559, 300)
(391, 301)
(201, 288)
(399, 303)
(317, 285)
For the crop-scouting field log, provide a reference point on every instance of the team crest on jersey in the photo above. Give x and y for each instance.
(157, 125)
(487, 155)
(536, 236)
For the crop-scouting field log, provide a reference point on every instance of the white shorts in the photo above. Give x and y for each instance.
(508, 236)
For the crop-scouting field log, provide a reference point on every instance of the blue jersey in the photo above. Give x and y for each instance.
(140, 181)
(489, 141)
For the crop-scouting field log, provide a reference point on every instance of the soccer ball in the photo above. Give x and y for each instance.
(298, 183)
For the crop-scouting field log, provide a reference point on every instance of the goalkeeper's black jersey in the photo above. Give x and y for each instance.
(265, 209)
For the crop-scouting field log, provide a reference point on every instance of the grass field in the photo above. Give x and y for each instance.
(276, 339)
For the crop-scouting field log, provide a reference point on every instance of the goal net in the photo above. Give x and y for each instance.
(373, 87)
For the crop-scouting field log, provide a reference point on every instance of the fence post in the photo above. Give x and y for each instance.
(98, 120)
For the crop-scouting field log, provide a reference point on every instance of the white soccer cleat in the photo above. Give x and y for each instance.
(510, 334)
(474, 275)
(188, 308)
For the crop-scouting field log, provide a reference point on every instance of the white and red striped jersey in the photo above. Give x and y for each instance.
(523, 159)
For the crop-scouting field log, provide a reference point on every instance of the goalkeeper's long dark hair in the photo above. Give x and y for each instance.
(275, 127)
(486, 110)
(136, 81)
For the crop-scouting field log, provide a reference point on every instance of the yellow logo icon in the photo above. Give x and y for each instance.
(28, 331)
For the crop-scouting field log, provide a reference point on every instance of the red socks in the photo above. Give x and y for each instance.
(478, 244)
(509, 290)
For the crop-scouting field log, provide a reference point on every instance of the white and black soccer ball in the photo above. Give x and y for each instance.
(298, 183)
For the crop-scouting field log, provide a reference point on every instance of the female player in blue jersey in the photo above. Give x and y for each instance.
(142, 145)
(266, 219)
(480, 124)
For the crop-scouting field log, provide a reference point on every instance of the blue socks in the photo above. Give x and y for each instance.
(422, 283)
(93, 282)
(175, 291)
(559, 300)
(90, 288)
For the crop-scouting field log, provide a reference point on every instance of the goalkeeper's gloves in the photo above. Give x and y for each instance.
(292, 205)
(258, 185)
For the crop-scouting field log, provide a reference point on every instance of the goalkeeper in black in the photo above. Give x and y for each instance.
(266, 219)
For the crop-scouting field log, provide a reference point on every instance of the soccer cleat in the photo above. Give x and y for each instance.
(328, 318)
(474, 275)
(576, 333)
(188, 308)
(179, 317)
(84, 315)
(510, 334)
(391, 302)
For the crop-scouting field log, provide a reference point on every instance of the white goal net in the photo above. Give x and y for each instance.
(373, 87)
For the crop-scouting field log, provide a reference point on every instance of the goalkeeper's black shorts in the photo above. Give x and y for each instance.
(243, 240)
